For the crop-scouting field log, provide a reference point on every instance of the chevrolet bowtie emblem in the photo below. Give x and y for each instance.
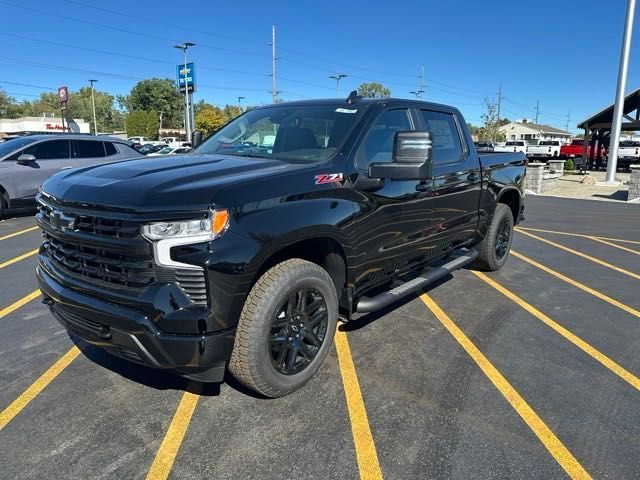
(62, 221)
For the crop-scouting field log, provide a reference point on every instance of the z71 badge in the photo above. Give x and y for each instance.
(329, 178)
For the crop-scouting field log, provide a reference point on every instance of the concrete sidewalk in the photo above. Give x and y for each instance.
(582, 186)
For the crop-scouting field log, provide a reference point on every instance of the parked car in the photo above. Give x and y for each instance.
(512, 146)
(172, 141)
(149, 149)
(484, 146)
(241, 257)
(28, 161)
(169, 151)
(545, 149)
(628, 153)
(140, 140)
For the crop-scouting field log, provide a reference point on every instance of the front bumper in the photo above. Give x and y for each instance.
(131, 334)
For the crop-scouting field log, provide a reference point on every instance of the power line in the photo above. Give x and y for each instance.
(27, 85)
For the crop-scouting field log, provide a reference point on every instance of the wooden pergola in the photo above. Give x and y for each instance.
(597, 128)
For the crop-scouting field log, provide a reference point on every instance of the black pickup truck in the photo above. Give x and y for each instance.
(243, 254)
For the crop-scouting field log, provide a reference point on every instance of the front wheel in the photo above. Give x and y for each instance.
(494, 249)
(286, 328)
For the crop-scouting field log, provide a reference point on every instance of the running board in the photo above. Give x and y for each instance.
(366, 304)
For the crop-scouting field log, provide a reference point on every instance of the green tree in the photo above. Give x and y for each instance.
(490, 130)
(142, 123)
(210, 119)
(158, 95)
(231, 111)
(373, 90)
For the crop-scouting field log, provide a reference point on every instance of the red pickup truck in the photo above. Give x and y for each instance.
(574, 149)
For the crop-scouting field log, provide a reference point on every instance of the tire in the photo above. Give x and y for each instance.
(493, 251)
(274, 354)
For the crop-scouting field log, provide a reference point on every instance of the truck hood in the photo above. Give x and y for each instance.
(172, 183)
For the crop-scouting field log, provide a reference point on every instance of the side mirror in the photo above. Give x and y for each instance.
(196, 138)
(26, 159)
(411, 158)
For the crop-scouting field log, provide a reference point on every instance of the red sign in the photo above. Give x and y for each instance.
(63, 95)
(51, 126)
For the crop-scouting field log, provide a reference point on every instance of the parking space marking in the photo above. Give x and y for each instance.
(580, 254)
(366, 454)
(36, 387)
(166, 455)
(571, 337)
(18, 258)
(16, 305)
(620, 247)
(635, 242)
(556, 448)
(577, 284)
(20, 232)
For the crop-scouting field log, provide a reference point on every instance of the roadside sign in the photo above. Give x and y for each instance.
(189, 72)
(63, 96)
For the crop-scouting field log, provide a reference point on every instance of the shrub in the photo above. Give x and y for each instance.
(569, 165)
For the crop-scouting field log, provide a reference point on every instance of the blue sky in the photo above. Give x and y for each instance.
(535, 49)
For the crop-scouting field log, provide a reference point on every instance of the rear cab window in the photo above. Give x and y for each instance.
(445, 136)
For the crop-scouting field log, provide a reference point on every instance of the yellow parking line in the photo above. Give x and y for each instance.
(36, 387)
(366, 454)
(577, 284)
(636, 242)
(18, 258)
(20, 232)
(582, 255)
(556, 448)
(559, 329)
(600, 240)
(16, 305)
(166, 455)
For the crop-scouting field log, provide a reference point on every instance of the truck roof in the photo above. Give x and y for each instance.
(366, 102)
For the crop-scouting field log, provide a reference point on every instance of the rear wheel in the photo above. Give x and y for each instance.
(286, 328)
(494, 249)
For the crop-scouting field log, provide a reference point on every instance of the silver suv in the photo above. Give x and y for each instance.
(26, 162)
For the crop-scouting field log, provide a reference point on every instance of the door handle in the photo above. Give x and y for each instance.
(67, 167)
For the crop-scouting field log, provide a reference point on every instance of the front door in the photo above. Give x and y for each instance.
(391, 227)
(51, 156)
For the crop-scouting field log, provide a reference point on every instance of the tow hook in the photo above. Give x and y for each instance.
(48, 301)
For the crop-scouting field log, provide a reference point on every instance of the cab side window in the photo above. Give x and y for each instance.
(49, 150)
(89, 149)
(378, 144)
(445, 137)
(110, 148)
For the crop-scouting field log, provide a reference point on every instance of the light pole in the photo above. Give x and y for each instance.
(337, 78)
(93, 104)
(418, 93)
(618, 108)
(187, 121)
(240, 103)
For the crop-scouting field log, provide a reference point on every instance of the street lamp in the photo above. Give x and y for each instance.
(93, 103)
(337, 78)
(418, 93)
(187, 121)
(240, 103)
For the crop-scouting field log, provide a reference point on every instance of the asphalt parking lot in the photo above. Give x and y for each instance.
(530, 372)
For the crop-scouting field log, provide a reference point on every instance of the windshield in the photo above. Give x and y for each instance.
(548, 142)
(629, 143)
(293, 133)
(518, 144)
(13, 144)
(166, 150)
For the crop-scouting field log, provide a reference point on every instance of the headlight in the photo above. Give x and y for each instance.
(203, 229)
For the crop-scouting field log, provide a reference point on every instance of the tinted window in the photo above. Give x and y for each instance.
(10, 145)
(89, 149)
(378, 145)
(110, 148)
(444, 136)
(49, 150)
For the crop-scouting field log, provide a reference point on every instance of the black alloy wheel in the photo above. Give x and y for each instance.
(298, 330)
(503, 239)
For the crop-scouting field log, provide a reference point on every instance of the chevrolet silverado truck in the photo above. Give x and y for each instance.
(243, 254)
(546, 149)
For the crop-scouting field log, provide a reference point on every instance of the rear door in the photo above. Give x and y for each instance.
(51, 156)
(457, 182)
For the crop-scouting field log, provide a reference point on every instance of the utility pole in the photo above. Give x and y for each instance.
(417, 93)
(274, 92)
(566, 127)
(420, 83)
(187, 111)
(499, 99)
(618, 108)
(240, 103)
(337, 77)
(93, 103)
(537, 110)
(160, 117)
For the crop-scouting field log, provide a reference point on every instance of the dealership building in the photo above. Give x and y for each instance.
(35, 125)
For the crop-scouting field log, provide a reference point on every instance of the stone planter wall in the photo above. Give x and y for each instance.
(634, 183)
